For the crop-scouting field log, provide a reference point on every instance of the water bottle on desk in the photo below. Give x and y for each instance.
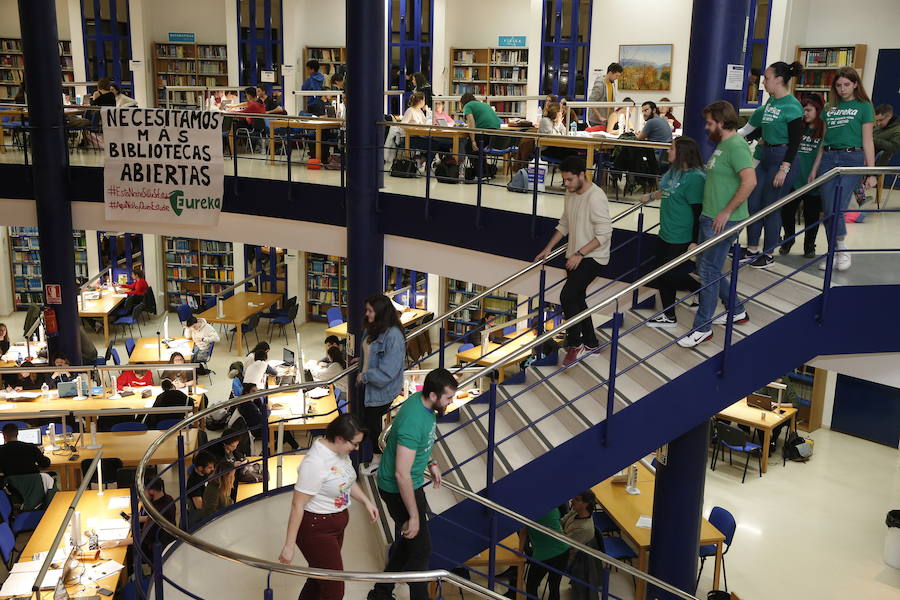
(573, 127)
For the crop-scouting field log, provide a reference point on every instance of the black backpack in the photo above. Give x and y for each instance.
(797, 448)
(447, 170)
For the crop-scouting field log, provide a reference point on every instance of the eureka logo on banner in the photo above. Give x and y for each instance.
(163, 165)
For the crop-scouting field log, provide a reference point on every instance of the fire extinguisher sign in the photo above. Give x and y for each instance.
(53, 293)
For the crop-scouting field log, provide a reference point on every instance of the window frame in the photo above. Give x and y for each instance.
(273, 58)
(403, 44)
(97, 41)
(748, 54)
(556, 45)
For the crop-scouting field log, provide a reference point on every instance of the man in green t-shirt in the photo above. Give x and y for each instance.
(479, 115)
(730, 179)
(401, 478)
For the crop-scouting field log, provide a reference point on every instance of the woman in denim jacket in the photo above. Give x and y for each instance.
(384, 352)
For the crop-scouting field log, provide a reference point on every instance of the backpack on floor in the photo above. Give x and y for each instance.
(447, 170)
(519, 182)
(797, 448)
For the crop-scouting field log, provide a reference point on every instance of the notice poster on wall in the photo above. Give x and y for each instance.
(163, 165)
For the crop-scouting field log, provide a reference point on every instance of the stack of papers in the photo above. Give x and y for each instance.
(101, 570)
(109, 530)
(119, 502)
(319, 392)
(644, 522)
(22, 578)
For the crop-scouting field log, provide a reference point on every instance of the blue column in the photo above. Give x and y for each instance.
(717, 36)
(365, 95)
(43, 78)
(677, 512)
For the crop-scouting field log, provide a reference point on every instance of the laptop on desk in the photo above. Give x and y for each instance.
(759, 401)
(68, 389)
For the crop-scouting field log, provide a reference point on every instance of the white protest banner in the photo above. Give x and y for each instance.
(162, 165)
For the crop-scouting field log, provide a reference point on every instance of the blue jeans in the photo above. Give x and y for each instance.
(765, 194)
(848, 183)
(709, 265)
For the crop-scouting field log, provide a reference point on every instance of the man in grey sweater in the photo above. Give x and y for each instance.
(604, 90)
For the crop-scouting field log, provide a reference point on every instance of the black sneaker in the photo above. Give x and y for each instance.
(748, 253)
(762, 261)
(663, 322)
(809, 253)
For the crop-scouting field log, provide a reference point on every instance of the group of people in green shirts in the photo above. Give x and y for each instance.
(799, 140)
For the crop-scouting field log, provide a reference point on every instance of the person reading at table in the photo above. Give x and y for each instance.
(17, 457)
(4, 339)
(269, 102)
(203, 335)
(62, 375)
(326, 481)
(169, 397)
(401, 478)
(204, 464)
(250, 105)
(331, 340)
(179, 378)
(150, 531)
(134, 378)
(585, 220)
(323, 371)
(138, 286)
(255, 414)
(25, 380)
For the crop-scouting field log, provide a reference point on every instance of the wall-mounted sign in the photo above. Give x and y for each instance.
(163, 165)
(267, 76)
(511, 41)
(734, 77)
(181, 37)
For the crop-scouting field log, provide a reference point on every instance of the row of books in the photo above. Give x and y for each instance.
(223, 275)
(319, 266)
(12, 76)
(218, 261)
(465, 56)
(324, 54)
(509, 107)
(29, 269)
(504, 89)
(192, 98)
(177, 299)
(509, 57)
(827, 57)
(186, 260)
(179, 273)
(26, 256)
(212, 246)
(220, 52)
(215, 67)
(178, 245)
(324, 297)
(179, 66)
(174, 51)
(467, 73)
(821, 79)
(29, 284)
(479, 89)
(25, 298)
(322, 282)
(510, 73)
(10, 45)
(12, 60)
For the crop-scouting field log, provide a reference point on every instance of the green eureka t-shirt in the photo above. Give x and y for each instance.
(844, 121)
(676, 217)
(722, 180)
(776, 115)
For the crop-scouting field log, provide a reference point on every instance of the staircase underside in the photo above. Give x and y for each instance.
(677, 390)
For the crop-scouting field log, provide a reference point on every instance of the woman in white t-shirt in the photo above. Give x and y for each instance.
(325, 484)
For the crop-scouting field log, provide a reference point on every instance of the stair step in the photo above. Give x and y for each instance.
(456, 448)
(516, 451)
(806, 278)
(553, 430)
(792, 293)
(573, 382)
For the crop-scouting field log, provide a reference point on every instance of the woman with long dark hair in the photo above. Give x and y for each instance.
(325, 484)
(681, 193)
(421, 85)
(848, 142)
(782, 130)
(812, 201)
(381, 371)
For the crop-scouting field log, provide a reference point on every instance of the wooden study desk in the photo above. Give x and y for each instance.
(238, 309)
(626, 509)
(491, 353)
(765, 420)
(22, 351)
(408, 317)
(582, 142)
(92, 506)
(317, 125)
(323, 411)
(289, 465)
(101, 308)
(454, 135)
(129, 446)
(148, 352)
(503, 558)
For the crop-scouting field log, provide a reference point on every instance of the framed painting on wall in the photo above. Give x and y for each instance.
(646, 67)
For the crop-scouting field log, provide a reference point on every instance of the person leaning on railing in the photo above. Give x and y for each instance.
(730, 179)
(326, 480)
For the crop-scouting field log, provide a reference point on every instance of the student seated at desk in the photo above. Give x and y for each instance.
(219, 490)
(25, 380)
(133, 379)
(20, 458)
(255, 414)
(552, 124)
(440, 114)
(415, 115)
(4, 339)
(150, 531)
(139, 285)
(178, 378)
(204, 465)
(331, 340)
(323, 371)
(257, 371)
(169, 397)
(59, 376)
(203, 335)
(271, 104)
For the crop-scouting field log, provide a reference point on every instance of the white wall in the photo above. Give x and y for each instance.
(830, 23)
(204, 18)
(9, 19)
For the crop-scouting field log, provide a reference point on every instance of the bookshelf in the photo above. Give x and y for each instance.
(188, 64)
(500, 307)
(396, 278)
(810, 385)
(12, 66)
(820, 63)
(196, 270)
(490, 72)
(332, 59)
(326, 285)
(25, 259)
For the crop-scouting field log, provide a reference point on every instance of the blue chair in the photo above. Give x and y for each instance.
(7, 544)
(735, 440)
(509, 330)
(56, 428)
(283, 321)
(334, 316)
(128, 426)
(184, 311)
(248, 327)
(341, 401)
(464, 347)
(724, 521)
(131, 320)
(168, 424)
(129, 345)
(603, 523)
(23, 521)
(19, 424)
(115, 356)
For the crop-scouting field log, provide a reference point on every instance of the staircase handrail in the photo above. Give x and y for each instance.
(700, 248)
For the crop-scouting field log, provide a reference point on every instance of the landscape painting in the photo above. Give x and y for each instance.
(647, 67)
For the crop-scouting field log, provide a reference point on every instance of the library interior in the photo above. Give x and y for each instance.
(418, 299)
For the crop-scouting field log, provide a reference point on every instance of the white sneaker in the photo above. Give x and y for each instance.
(663, 322)
(741, 317)
(694, 338)
(841, 261)
(823, 265)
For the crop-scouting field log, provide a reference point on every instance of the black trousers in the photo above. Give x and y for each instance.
(408, 554)
(812, 209)
(536, 574)
(678, 279)
(373, 418)
(572, 299)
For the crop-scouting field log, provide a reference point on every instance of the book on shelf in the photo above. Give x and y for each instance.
(465, 56)
(212, 52)
(479, 89)
(509, 57)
